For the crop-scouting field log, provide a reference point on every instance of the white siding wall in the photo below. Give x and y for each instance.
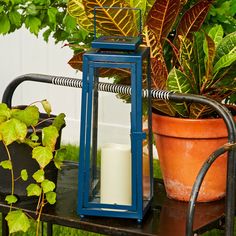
(22, 53)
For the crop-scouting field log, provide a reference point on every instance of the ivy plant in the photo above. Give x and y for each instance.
(15, 124)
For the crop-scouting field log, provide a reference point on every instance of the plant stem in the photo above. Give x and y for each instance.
(12, 172)
(40, 213)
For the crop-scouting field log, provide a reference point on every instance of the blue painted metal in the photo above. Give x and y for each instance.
(88, 199)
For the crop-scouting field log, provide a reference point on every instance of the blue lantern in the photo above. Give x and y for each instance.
(119, 181)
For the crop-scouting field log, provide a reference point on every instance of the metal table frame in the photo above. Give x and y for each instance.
(177, 97)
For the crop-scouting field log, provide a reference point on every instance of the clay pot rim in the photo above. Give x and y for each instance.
(189, 128)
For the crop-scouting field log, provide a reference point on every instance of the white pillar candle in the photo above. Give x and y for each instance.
(116, 174)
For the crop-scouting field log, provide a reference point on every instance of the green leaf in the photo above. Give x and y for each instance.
(33, 23)
(17, 221)
(224, 61)
(216, 33)
(6, 165)
(33, 190)
(13, 130)
(1, 9)
(59, 157)
(34, 137)
(24, 175)
(59, 121)
(226, 46)
(46, 34)
(47, 106)
(49, 137)
(52, 13)
(43, 155)
(47, 186)
(51, 197)
(30, 115)
(10, 199)
(5, 112)
(70, 23)
(5, 24)
(15, 18)
(31, 143)
(39, 176)
(32, 9)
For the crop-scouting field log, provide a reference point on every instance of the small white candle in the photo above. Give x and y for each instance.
(116, 174)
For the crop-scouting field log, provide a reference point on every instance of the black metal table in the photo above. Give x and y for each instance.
(166, 218)
(154, 223)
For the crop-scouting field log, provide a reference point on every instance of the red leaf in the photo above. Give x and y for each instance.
(162, 17)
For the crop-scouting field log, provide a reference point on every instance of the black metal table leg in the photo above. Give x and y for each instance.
(5, 230)
(49, 229)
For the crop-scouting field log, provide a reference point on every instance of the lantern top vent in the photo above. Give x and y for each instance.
(122, 30)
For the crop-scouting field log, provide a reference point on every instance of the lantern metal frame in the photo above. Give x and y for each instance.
(92, 61)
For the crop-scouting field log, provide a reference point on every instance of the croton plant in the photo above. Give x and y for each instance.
(184, 58)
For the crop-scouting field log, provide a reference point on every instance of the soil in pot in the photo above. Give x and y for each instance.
(183, 146)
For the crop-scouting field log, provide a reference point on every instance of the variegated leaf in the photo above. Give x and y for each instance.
(179, 82)
(159, 74)
(76, 61)
(198, 111)
(76, 9)
(163, 106)
(186, 57)
(193, 19)
(150, 40)
(226, 46)
(210, 56)
(224, 61)
(162, 17)
(198, 64)
(120, 22)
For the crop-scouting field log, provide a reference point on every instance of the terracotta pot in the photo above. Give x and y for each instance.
(183, 145)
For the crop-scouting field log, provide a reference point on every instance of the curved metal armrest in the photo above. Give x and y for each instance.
(166, 95)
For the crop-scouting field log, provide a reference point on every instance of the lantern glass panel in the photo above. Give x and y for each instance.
(110, 151)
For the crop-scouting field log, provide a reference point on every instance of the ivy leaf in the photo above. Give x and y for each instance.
(52, 13)
(34, 137)
(59, 157)
(49, 137)
(47, 106)
(33, 23)
(33, 190)
(31, 143)
(39, 176)
(11, 199)
(5, 24)
(43, 155)
(51, 197)
(47, 186)
(6, 165)
(59, 121)
(13, 130)
(5, 113)
(24, 175)
(17, 221)
(30, 115)
(15, 18)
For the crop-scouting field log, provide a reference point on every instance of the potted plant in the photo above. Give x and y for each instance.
(186, 61)
(30, 156)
